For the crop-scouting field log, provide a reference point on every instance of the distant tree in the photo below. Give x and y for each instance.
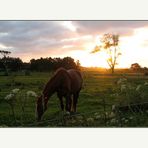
(145, 68)
(26, 66)
(110, 44)
(4, 53)
(42, 64)
(4, 61)
(78, 64)
(13, 64)
(135, 67)
(49, 64)
(68, 63)
(2, 67)
(57, 63)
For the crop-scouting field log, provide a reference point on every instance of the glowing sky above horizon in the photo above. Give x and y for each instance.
(35, 39)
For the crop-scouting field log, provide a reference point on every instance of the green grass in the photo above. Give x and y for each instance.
(97, 88)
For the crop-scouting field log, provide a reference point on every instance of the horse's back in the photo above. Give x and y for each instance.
(76, 79)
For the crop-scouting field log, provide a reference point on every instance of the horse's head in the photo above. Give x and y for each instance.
(41, 106)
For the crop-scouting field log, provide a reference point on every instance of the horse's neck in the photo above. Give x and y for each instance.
(52, 84)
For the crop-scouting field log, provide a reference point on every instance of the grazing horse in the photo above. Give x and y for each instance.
(67, 83)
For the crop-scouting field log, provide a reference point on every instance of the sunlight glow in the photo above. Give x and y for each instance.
(90, 60)
(69, 25)
(86, 37)
(131, 48)
(134, 48)
(68, 46)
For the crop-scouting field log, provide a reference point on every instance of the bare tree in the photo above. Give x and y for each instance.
(109, 43)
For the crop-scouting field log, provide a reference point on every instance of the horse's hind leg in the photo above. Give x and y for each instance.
(71, 105)
(68, 103)
(75, 100)
(61, 102)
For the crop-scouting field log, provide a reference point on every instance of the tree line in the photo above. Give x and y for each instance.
(39, 65)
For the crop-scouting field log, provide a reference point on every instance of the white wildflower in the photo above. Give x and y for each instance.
(112, 115)
(131, 118)
(123, 119)
(15, 91)
(138, 87)
(106, 113)
(73, 121)
(113, 107)
(121, 81)
(114, 95)
(113, 121)
(123, 88)
(130, 87)
(3, 125)
(9, 97)
(67, 113)
(146, 83)
(31, 93)
(96, 114)
(97, 117)
(79, 118)
(90, 120)
(80, 121)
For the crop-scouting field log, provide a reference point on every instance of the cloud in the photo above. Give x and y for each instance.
(29, 35)
(48, 37)
(100, 27)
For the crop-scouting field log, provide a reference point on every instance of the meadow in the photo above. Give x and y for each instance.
(101, 94)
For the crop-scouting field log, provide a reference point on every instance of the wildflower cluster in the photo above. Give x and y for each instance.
(133, 93)
(11, 99)
(121, 81)
(31, 94)
(12, 95)
(15, 91)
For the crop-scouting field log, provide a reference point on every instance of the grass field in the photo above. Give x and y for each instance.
(99, 94)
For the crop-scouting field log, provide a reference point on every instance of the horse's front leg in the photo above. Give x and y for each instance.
(61, 101)
(45, 103)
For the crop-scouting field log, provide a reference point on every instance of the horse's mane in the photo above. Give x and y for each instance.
(55, 77)
(59, 70)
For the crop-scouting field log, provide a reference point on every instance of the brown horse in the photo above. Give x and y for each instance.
(67, 83)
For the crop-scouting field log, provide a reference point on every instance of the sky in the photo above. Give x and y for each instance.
(35, 39)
